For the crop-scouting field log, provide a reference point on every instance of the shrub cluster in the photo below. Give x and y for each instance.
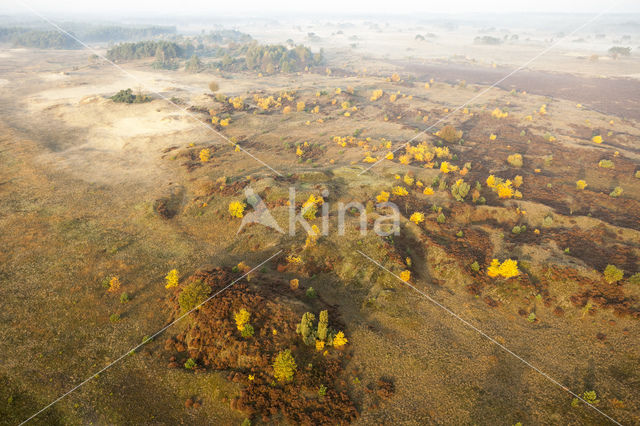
(321, 334)
(128, 97)
(193, 295)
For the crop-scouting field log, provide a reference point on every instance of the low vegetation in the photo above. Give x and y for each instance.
(128, 97)
(192, 295)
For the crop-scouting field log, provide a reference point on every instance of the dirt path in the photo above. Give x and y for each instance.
(617, 96)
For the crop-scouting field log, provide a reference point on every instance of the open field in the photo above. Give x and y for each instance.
(543, 170)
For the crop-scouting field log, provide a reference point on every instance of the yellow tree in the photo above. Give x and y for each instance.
(236, 209)
(114, 285)
(205, 155)
(172, 279)
(284, 366)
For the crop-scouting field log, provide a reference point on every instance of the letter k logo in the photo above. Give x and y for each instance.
(260, 213)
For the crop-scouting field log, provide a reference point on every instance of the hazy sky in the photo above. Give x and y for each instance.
(239, 7)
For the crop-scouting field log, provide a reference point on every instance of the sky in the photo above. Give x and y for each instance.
(277, 7)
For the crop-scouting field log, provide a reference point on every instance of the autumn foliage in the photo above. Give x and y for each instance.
(172, 279)
(236, 209)
(284, 366)
(506, 269)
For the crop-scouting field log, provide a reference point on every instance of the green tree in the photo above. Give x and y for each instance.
(323, 325)
(193, 64)
(305, 328)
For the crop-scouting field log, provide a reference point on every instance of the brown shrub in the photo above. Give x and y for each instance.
(450, 134)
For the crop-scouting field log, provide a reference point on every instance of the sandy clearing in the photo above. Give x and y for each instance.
(53, 76)
(75, 87)
(150, 124)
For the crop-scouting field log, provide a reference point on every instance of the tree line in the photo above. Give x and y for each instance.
(50, 39)
(162, 50)
(268, 58)
(24, 37)
(252, 56)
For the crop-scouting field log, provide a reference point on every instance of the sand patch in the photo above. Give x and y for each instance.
(54, 76)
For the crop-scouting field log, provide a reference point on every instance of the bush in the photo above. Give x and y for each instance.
(606, 164)
(236, 209)
(193, 295)
(487, 40)
(294, 284)
(205, 155)
(284, 366)
(590, 397)
(190, 364)
(617, 191)
(322, 390)
(106, 283)
(213, 86)
(114, 285)
(460, 189)
(247, 331)
(518, 229)
(612, 274)
(449, 134)
(114, 318)
(126, 96)
(311, 293)
(339, 340)
(417, 217)
(508, 268)
(124, 297)
(515, 160)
